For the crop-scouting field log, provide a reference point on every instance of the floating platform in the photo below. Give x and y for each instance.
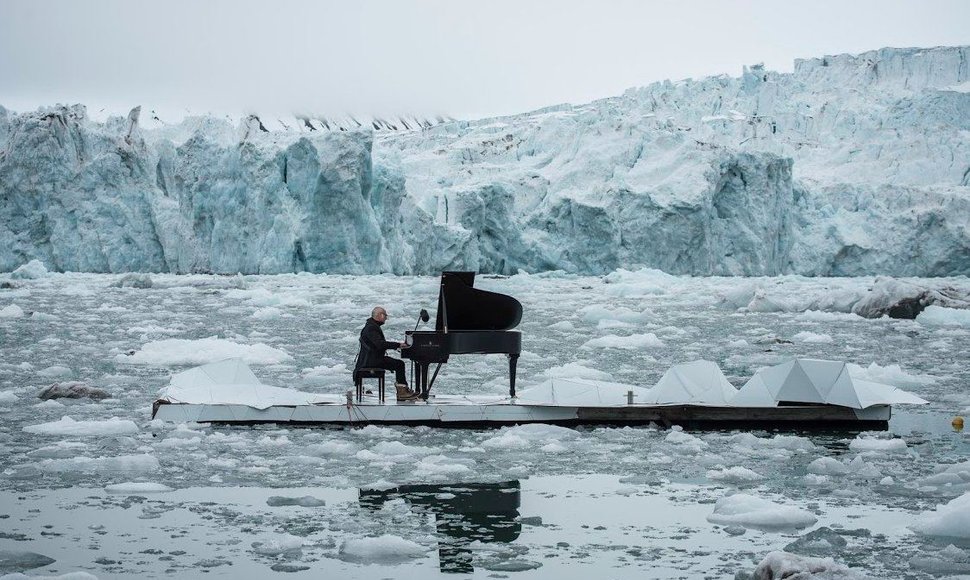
(483, 412)
(803, 394)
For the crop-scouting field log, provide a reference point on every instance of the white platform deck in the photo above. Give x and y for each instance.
(483, 411)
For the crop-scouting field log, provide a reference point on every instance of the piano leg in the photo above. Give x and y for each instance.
(513, 359)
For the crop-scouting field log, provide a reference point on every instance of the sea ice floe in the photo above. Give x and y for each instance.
(175, 351)
(11, 311)
(629, 342)
(756, 512)
(949, 520)
(942, 316)
(277, 545)
(304, 501)
(574, 370)
(778, 565)
(812, 338)
(67, 426)
(137, 487)
(132, 463)
(955, 476)
(737, 474)
(387, 549)
(870, 443)
(440, 467)
(32, 270)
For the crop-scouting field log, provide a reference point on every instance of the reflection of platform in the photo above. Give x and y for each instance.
(477, 411)
(483, 512)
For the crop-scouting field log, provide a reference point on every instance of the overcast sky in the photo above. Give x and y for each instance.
(464, 59)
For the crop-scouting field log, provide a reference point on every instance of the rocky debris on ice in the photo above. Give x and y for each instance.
(819, 542)
(68, 427)
(30, 271)
(386, 549)
(951, 520)
(818, 179)
(72, 390)
(785, 566)
(20, 560)
(304, 501)
(902, 299)
(756, 512)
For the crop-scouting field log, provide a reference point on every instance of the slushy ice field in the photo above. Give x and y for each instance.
(95, 486)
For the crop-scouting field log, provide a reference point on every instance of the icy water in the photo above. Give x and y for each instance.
(531, 501)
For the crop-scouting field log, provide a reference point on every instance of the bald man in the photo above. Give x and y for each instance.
(373, 349)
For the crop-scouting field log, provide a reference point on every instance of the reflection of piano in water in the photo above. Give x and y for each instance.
(469, 321)
(486, 512)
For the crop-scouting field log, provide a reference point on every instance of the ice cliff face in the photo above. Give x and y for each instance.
(850, 165)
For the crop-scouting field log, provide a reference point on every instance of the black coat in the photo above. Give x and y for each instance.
(373, 346)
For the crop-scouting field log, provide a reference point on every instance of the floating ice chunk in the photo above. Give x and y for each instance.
(812, 338)
(950, 475)
(507, 441)
(949, 520)
(133, 463)
(827, 466)
(438, 466)
(7, 397)
(133, 280)
(176, 351)
(278, 545)
(398, 449)
(644, 281)
(890, 375)
(631, 342)
(737, 474)
(332, 448)
(685, 442)
(386, 549)
(778, 565)
(878, 444)
(824, 316)
(30, 271)
(11, 311)
(820, 542)
(55, 371)
(598, 313)
(574, 370)
(268, 313)
(755, 512)
(563, 325)
(887, 481)
(137, 487)
(942, 316)
(67, 426)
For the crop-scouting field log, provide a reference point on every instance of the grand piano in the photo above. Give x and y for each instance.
(469, 321)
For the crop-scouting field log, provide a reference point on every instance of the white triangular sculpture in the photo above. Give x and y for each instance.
(700, 382)
(231, 382)
(817, 381)
(580, 393)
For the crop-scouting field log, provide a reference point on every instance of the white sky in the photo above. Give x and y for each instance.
(460, 58)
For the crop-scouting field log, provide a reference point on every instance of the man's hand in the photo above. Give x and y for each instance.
(403, 345)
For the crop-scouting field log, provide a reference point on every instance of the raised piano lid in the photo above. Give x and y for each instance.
(463, 307)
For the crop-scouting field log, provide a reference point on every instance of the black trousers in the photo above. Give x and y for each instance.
(396, 365)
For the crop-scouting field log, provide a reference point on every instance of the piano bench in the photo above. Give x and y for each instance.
(369, 373)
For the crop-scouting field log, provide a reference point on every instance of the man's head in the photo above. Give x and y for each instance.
(379, 314)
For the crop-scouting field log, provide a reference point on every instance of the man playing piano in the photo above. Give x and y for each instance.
(373, 349)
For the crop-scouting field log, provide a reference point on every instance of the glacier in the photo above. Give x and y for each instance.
(849, 165)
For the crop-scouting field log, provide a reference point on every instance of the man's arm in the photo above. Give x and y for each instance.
(375, 339)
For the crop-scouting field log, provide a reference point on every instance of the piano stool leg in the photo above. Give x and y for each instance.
(513, 359)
